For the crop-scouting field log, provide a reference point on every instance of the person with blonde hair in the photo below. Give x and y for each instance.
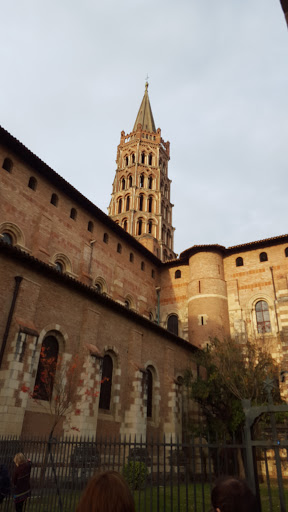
(21, 481)
(107, 492)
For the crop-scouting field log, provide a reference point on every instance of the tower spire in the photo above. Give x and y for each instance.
(145, 116)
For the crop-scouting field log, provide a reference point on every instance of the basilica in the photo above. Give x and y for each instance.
(111, 290)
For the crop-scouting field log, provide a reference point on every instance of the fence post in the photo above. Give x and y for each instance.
(246, 404)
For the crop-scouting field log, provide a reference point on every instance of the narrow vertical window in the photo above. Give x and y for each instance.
(32, 183)
(106, 384)
(149, 378)
(172, 324)
(7, 165)
(150, 159)
(119, 205)
(139, 227)
(128, 203)
(150, 204)
(46, 371)
(73, 214)
(90, 226)
(141, 199)
(54, 200)
(142, 158)
(141, 180)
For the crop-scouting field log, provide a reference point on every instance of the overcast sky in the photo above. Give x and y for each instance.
(73, 76)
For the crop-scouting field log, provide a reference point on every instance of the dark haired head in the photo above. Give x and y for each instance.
(106, 492)
(232, 495)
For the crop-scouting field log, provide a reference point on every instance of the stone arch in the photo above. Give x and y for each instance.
(100, 284)
(64, 262)
(14, 231)
(129, 302)
(257, 297)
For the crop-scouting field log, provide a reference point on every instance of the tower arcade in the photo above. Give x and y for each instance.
(140, 201)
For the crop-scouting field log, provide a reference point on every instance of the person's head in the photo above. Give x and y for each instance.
(106, 492)
(232, 495)
(19, 459)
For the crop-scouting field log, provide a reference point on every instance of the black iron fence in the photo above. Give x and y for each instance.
(163, 476)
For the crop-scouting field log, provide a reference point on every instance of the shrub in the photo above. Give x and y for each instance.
(135, 474)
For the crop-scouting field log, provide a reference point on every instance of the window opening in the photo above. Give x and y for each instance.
(139, 227)
(119, 248)
(131, 257)
(46, 371)
(119, 205)
(149, 377)
(141, 203)
(142, 265)
(105, 238)
(7, 238)
(141, 180)
(150, 159)
(142, 158)
(128, 203)
(150, 182)
(54, 200)
(239, 262)
(262, 317)
(125, 225)
(177, 274)
(73, 214)
(172, 324)
(59, 267)
(106, 384)
(90, 226)
(263, 256)
(150, 203)
(32, 183)
(7, 165)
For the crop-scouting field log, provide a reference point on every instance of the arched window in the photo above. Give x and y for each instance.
(149, 382)
(150, 159)
(90, 226)
(177, 274)
(126, 160)
(105, 238)
(32, 183)
(141, 180)
(150, 204)
(98, 287)
(131, 257)
(59, 267)
(165, 255)
(54, 200)
(133, 158)
(263, 256)
(141, 199)
(119, 205)
(239, 262)
(73, 213)
(142, 265)
(169, 238)
(7, 238)
(7, 165)
(128, 203)
(106, 384)
(172, 324)
(119, 248)
(262, 317)
(150, 224)
(286, 252)
(150, 182)
(46, 371)
(130, 180)
(125, 225)
(142, 158)
(123, 183)
(139, 226)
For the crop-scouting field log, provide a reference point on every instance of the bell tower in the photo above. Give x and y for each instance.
(140, 201)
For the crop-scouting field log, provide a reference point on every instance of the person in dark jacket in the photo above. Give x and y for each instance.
(21, 481)
(4, 483)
